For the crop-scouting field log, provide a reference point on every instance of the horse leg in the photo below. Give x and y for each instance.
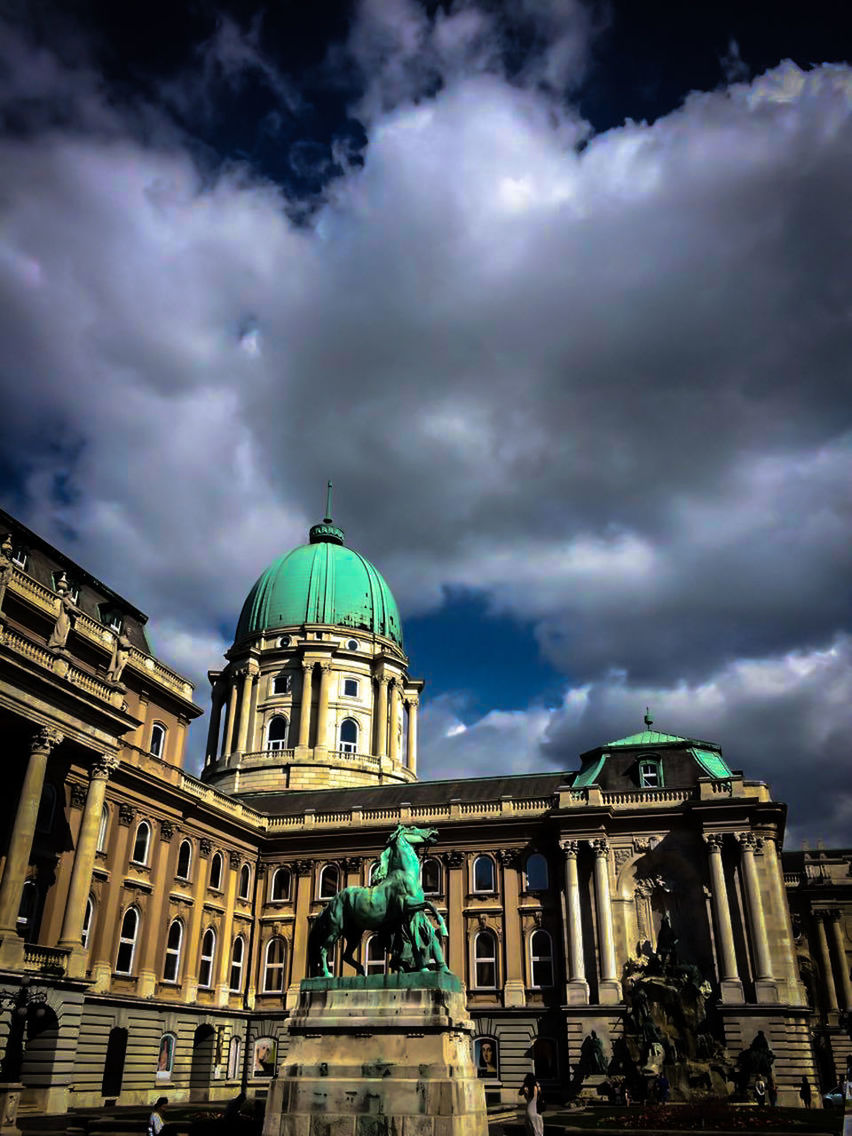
(349, 945)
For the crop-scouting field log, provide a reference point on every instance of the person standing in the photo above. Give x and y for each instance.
(760, 1091)
(155, 1120)
(772, 1089)
(530, 1090)
(805, 1092)
(663, 1087)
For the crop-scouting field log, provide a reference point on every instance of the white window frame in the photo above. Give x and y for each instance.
(208, 959)
(288, 875)
(484, 891)
(653, 764)
(158, 729)
(277, 743)
(235, 1065)
(326, 868)
(147, 852)
(219, 860)
(437, 863)
(485, 960)
(103, 829)
(237, 964)
(166, 1074)
(20, 557)
(284, 677)
(273, 969)
(541, 959)
(187, 875)
(124, 939)
(171, 961)
(88, 920)
(244, 892)
(349, 747)
(374, 966)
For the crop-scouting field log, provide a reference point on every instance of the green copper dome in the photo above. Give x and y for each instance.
(321, 582)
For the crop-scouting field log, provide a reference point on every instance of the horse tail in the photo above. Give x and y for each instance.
(323, 927)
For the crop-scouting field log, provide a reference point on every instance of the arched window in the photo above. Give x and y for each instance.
(102, 829)
(208, 955)
(237, 952)
(537, 873)
(281, 886)
(141, 843)
(158, 739)
(234, 1063)
(282, 683)
(651, 772)
(374, 867)
(216, 872)
(166, 1057)
(276, 735)
(184, 860)
(245, 881)
(46, 808)
(88, 915)
(127, 941)
(430, 877)
(174, 942)
(350, 687)
(541, 959)
(485, 960)
(27, 909)
(329, 881)
(349, 735)
(375, 959)
(273, 970)
(484, 876)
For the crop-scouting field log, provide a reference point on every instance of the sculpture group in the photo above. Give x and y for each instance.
(393, 906)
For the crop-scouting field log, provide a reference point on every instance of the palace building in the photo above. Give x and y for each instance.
(153, 923)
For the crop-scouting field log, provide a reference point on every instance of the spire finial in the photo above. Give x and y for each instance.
(328, 503)
(649, 721)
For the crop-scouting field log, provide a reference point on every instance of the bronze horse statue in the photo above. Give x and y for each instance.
(393, 905)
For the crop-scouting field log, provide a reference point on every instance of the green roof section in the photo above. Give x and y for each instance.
(711, 762)
(321, 582)
(590, 774)
(647, 738)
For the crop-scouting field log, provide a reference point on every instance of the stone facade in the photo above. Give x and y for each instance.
(165, 916)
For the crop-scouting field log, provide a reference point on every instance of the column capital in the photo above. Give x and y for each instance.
(167, 831)
(411, 700)
(746, 840)
(714, 841)
(570, 848)
(509, 857)
(126, 814)
(78, 795)
(302, 867)
(103, 767)
(383, 679)
(830, 914)
(205, 847)
(45, 739)
(601, 846)
(308, 665)
(326, 666)
(234, 859)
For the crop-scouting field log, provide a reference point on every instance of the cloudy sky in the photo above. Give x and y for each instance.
(558, 293)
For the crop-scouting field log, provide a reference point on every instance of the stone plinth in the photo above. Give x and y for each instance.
(379, 1055)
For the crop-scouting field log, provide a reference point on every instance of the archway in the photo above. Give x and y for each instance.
(201, 1069)
(116, 1052)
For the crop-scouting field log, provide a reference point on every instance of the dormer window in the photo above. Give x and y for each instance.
(650, 773)
(73, 589)
(19, 558)
(111, 618)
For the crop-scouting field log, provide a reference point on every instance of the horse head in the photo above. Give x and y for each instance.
(413, 835)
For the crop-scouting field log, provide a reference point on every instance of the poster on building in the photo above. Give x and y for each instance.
(265, 1049)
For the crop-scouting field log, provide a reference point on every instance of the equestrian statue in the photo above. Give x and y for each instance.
(394, 906)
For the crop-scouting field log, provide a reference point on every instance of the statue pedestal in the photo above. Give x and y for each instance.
(379, 1055)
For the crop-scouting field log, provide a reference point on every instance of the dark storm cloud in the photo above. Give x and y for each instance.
(602, 379)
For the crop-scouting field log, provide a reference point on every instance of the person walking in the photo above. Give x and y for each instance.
(760, 1091)
(663, 1087)
(530, 1090)
(805, 1092)
(156, 1124)
(772, 1089)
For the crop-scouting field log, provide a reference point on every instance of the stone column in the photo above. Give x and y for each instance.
(382, 716)
(231, 722)
(412, 704)
(784, 945)
(155, 924)
(248, 676)
(514, 988)
(393, 724)
(729, 978)
(192, 943)
(322, 705)
(578, 987)
(215, 723)
(455, 871)
(305, 709)
(84, 861)
(840, 952)
(224, 984)
(302, 880)
(764, 987)
(21, 843)
(109, 914)
(825, 963)
(609, 986)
